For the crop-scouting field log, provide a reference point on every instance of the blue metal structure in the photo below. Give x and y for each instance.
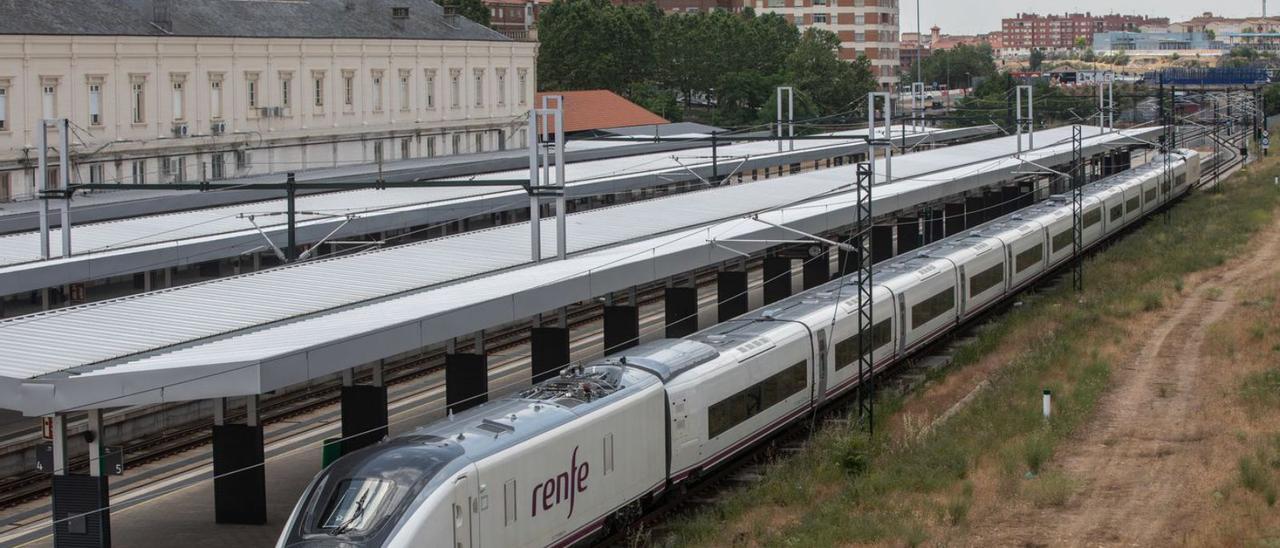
(1213, 76)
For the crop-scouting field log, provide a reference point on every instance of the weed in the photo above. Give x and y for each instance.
(1152, 301)
(1052, 490)
(1213, 293)
(1258, 331)
(855, 455)
(1256, 478)
(1261, 388)
(958, 506)
(1036, 451)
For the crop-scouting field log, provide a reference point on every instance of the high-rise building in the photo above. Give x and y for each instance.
(1030, 31)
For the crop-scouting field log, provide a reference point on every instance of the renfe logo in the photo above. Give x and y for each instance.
(564, 486)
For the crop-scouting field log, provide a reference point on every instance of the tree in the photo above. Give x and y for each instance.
(719, 67)
(824, 83)
(1081, 43)
(592, 44)
(1037, 59)
(474, 10)
(1271, 99)
(957, 66)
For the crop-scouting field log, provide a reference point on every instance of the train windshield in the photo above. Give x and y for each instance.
(355, 505)
(361, 496)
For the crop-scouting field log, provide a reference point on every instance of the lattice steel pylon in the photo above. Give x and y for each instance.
(862, 244)
(1077, 207)
(1166, 150)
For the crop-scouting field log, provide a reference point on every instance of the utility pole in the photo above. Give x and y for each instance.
(42, 172)
(291, 193)
(1077, 206)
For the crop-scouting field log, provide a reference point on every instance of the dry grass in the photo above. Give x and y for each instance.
(1241, 510)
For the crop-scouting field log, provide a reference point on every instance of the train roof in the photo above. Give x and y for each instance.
(496, 425)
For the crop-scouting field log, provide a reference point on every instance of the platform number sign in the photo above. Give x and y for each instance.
(46, 427)
(113, 461)
(44, 458)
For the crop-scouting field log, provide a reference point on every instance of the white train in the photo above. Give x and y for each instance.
(572, 456)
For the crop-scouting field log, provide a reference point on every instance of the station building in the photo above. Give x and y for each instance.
(174, 91)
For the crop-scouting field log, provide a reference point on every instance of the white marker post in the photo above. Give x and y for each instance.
(1048, 404)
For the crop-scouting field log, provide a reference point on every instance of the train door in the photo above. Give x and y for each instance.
(466, 510)
(820, 378)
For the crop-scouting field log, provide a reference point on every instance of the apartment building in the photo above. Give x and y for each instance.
(865, 27)
(164, 91)
(1030, 31)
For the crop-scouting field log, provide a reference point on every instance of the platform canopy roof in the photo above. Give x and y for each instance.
(258, 332)
(152, 242)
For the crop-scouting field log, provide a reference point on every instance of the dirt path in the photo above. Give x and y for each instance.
(1140, 464)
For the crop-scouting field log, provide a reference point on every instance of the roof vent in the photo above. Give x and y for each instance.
(451, 15)
(400, 13)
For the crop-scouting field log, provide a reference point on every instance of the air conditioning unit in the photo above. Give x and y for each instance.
(180, 129)
(218, 128)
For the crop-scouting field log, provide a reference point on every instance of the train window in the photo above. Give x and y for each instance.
(848, 351)
(1151, 194)
(1093, 217)
(754, 399)
(1063, 239)
(1181, 179)
(356, 505)
(986, 279)
(1117, 211)
(1028, 258)
(1133, 203)
(932, 307)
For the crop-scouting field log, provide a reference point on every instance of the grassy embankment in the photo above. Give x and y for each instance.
(1244, 348)
(912, 484)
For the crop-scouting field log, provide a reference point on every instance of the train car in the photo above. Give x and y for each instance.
(924, 290)
(980, 271)
(762, 378)
(563, 460)
(547, 466)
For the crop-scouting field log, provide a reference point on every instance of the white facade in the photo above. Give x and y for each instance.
(865, 27)
(162, 109)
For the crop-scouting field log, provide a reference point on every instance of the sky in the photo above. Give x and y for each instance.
(961, 17)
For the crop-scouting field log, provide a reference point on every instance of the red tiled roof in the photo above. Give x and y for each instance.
(601, 109)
